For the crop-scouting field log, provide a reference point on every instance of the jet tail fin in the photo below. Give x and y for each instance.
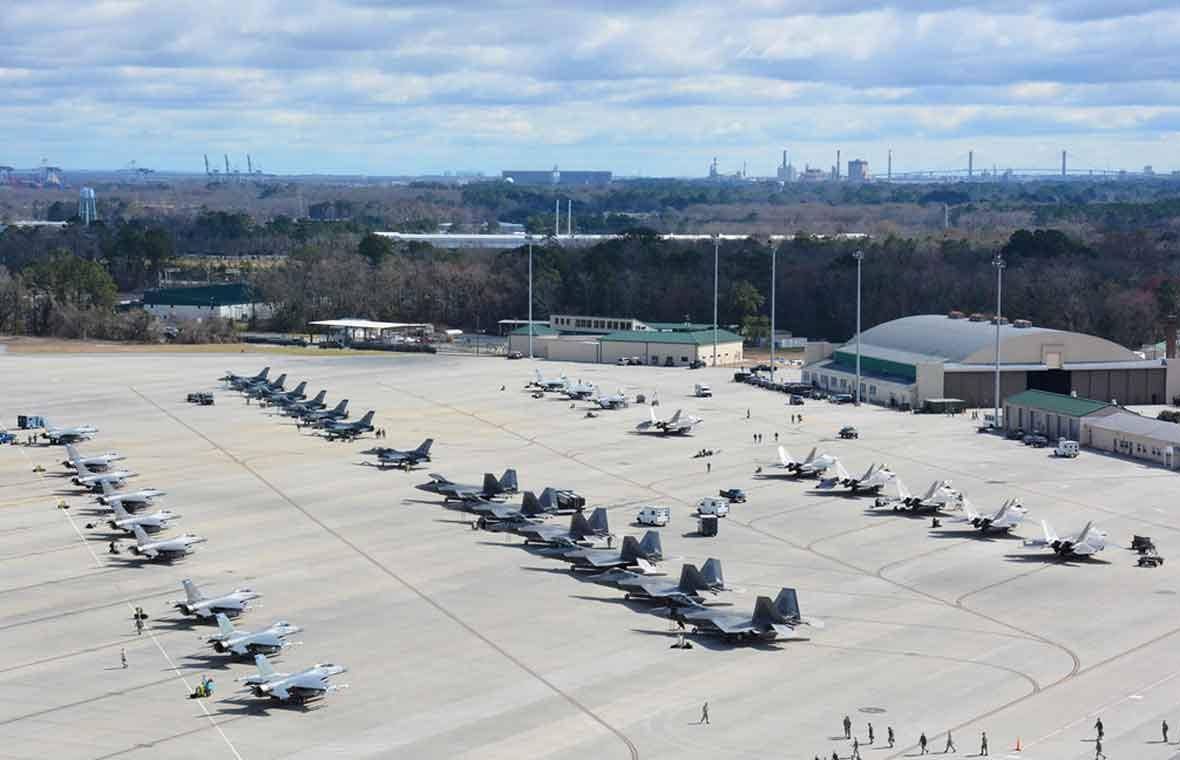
(368, 418)
(262, 375)
(765, 612)
(810, 456)
(191, 593)
(424, 448)
(630, 550)
(787, 603)
(598, 521)
(117, 508)
(1047, 529)
(691, 579)
(530, 507)
(508, 482)
(650, 546)
(141, 538)
(711, 572)
(491, 486)
(264, 667)
(342, 406)
(580, 528)
(319, 397)
(785, 459)
(299, 388)
(225, 627)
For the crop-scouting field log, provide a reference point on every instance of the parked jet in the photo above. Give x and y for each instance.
(678, 424)
(58, 436)
(132, 501)
(614, 401)
(93, 481)
(490, 489)
(322, 417)
(1086, 543)
(580, 530)
(286, 398)
(1008, 516)
(874, 479)
(300, 687)
(267, 394)
(771, 619)
(387, 457)
(530, 508)
(578, 390)
(227, 640)
(349, 431)
(264, 388)
(164, 548)
(632, 553)
(938, 497)
(196, 604)
(151, 523)
(238, 382)
(306, 407)
(95, 463)
(686, 591)
(548, 385)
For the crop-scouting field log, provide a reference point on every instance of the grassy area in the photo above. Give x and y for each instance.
(29, 345)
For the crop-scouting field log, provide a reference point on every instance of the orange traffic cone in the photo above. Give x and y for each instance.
(1018, 744)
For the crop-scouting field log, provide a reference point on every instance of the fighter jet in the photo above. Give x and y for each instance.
(131, 501)
(771, 619)
(580, 530)
(490, 489)
(938, 497)
(874, 479)
(164, 548)
(58, 435)
(495, 511)
(196, 604)
(322, 417)
(687, 591)
(95, 463)
(93, 481)
(578, 391)
(1090, 541)
(227, 640)
(1008, 516)
(306, 407)
(300, 687)
(678, 424)
(151, 523)
(239, 382)
(285, 398)
(615, 401)
(639, 554)
(265, 388)
(548, 385)
(349, 431)
(387, 457)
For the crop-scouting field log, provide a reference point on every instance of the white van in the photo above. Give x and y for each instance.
(703, 390)
(713, 505)
(1066, 448)
(655, 516)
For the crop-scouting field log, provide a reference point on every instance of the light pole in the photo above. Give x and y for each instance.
(716, 251)
(773, 282)
(530, 298)
(859, 256)
(998, 263)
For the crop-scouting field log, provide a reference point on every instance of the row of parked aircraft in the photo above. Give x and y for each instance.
(577, 391)
(633, 566)
(313, 412)
(939, 498)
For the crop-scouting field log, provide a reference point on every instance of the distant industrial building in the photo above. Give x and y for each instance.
(909, 360)
(237, 301)
(858, 170)
(785, 172)
(608, 339)
(556, 177)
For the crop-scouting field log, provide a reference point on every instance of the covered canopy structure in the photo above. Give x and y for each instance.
(349, 331)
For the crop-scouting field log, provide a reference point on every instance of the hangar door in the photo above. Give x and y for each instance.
(1051, 380)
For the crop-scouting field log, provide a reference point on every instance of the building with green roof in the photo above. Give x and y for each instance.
(653, 343)
(235, 300)
(1054, 415)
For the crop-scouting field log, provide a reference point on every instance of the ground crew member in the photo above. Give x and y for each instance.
(123, 657)
(111, 549)
(747, 414)
(1098, 727)
(870, 733)
(138, 625)
(835, 756)
(982, 743)
(708, 466)
(1164, 727)
(922, 743)
(890, 736)
(1098, 750)
(704, 714)
(855, 750)
(776, 437)
(847, 727)
(950, 744)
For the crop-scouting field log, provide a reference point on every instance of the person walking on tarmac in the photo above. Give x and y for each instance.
(704, 714)
(847, 727)
(889, 736)
(855, 750)
(982, 743)
(1164, 728)
(1098, 753)
(922, 744)
(870, 733)
(950, 744)
(1099, 728)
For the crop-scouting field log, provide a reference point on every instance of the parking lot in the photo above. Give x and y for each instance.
(460, 643)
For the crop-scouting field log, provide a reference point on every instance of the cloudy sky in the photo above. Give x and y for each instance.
(656, 87)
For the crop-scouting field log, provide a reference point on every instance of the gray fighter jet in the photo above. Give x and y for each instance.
(94, 463)
(238, 382)
(678, 424)
(166, 549)
(228, 640)
(348, 431)
(387, 457)
(491, 488)
(547, 385)
(687, 591)
(578, 391)
(769, 621)
(614, 401)
(306, 407)
(580, 530)
(300, 687)
(151, 523)
(322, 417)
(495, 511)
(94, 481)
(58, 436)
(638, 554)
(265, 387)
(132, 501)
(293, 396)
(196, 604)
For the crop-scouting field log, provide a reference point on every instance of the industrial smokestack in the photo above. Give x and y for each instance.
(1170, 336)
(837, 163)
(784, 160)
(556, 217)
(889, 169)
(970, 164)
(1062, 163)
(569, 217)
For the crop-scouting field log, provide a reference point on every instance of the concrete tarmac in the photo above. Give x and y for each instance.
(462, 644)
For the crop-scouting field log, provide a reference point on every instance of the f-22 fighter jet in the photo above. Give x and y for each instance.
(491, 488)
(686, 591)
(770, 620)
(1008, 516)
(1088, 542)
(640, 554)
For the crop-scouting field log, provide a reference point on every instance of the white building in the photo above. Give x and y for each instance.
(237, 301)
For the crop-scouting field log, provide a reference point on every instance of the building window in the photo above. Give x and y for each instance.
(872, 390)
(684, 358)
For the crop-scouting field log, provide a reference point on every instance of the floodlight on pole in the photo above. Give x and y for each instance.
(859, 256)
(773, 282)
(530, 298)
(716, 252)
(998, 263)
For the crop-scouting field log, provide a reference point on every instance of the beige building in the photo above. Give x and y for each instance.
(665, 346)
(1133, 435)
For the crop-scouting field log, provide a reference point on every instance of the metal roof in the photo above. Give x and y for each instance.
(365, 324)
(537, 330)
(1057, 403)
(1136, 424)
(934, 337)
(698, 337)
(227, 294)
